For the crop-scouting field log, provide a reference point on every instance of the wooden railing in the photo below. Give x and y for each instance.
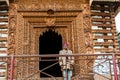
(26, 67)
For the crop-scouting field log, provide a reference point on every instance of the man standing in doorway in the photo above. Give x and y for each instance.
(66, 62)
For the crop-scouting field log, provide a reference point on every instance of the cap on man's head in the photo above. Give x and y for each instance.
(65, 45)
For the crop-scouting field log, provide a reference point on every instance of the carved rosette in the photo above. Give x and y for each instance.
(12, 28)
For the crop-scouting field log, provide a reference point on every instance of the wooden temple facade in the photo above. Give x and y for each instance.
(35, 27)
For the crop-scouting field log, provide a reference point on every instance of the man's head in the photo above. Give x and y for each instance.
(65, 45)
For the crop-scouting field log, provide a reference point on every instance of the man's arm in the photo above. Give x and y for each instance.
(72, 58)
(60, 58)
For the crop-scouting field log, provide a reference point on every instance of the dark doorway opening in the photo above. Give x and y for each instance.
(50, 43)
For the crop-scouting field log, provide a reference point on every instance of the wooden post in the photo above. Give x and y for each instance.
(11, 67)
(115, 67)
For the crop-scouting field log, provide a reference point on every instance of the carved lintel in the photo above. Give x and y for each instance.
(50, 4)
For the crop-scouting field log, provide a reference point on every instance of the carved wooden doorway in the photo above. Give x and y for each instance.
(50, 43)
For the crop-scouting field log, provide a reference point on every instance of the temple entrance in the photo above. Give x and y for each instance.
(50, 43)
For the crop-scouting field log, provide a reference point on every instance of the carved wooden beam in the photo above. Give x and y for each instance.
(5, 1)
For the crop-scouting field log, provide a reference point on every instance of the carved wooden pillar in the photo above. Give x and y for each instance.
(25, 46)
(88, 36)
(26, 38)
(12, 28)
(87, 28)
(74, 37)
(12, 31)
(80, 34)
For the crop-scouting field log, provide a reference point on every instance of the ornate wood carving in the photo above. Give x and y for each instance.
(34, 5)
(87, 29)
(70, 22)
(12, 28)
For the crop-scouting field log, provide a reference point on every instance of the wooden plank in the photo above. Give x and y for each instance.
(3, 19)
(101, 31)
(3, 51)
(103, 37)
(101, 20)
(104, 43)
(3, 39)
(3, 13)
(3, 32)
(100, 8)
(100, 14)
(102, 25)
(3, 7)
(3, 26)
(3, 46)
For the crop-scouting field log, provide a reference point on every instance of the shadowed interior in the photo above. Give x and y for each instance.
(50, 43)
